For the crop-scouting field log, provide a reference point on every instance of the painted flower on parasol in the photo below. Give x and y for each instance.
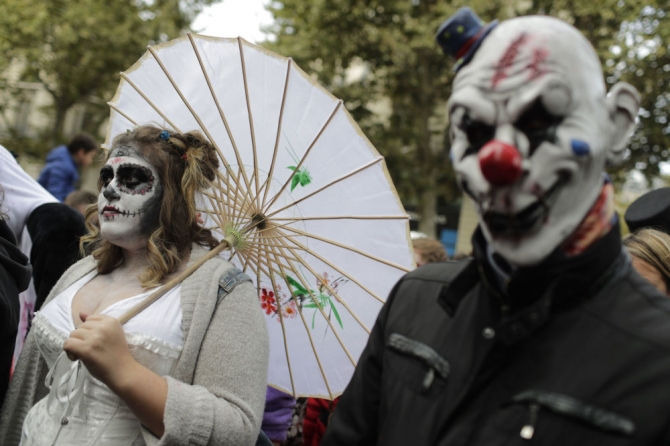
(268, 301)
(303, 199)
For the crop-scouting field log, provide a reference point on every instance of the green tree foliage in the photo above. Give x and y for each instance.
(372, 53)
(642, 58)
(76, 48)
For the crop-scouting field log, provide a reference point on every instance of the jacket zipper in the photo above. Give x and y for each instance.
(504, 307)
(528, 430)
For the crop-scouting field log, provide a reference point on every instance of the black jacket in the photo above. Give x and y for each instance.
(570, 352)
(55, 229)
(14, 278)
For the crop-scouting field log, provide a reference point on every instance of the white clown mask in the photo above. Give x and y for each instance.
(532, 129)
(130, 197)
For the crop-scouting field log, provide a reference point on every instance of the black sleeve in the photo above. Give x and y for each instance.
(14, 278)
(355, 419)
(55, 229)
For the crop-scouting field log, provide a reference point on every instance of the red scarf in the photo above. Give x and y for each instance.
(597, 223)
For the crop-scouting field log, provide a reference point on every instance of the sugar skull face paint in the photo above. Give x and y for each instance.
(531, 131)
(130, 197)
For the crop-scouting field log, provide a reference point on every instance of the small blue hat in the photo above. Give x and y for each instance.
(461, 34)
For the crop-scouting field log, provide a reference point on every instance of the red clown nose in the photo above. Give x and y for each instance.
(500, 163)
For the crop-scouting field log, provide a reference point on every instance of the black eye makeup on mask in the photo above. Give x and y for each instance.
(478, 133)
(538, 125)
(134, 179)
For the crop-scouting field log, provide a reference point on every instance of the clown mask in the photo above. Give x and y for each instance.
(130, 198)
(532, 129)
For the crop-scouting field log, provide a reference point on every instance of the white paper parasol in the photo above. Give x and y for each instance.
(321, 229)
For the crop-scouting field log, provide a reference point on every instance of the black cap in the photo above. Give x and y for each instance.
(651, 210)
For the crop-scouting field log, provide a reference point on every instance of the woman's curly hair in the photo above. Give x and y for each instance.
(186, 164)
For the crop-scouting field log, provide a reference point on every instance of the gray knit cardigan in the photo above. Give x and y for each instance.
(216, 393)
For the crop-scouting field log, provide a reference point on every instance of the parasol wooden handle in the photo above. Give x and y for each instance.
(227, 242)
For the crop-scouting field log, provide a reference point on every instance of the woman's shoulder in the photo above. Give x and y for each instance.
(210, 276)
(220, 293)
(213, 266)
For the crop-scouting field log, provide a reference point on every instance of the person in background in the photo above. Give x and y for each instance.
(428, 250)
(295, 430)
(648, 220)
(317, 416)
(650, 210)
(80, 200)
(650, 254)
(277, 415)
(14, 277)
(60, 173)
(45, 230)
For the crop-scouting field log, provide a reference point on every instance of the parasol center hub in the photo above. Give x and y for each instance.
(259, 221)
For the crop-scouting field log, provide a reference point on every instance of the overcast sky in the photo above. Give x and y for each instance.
(233, 18)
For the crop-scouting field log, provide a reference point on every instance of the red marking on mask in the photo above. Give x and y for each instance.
(539, 56)
(115, 161)
(597, 223)
(500, 163)
(507, 59)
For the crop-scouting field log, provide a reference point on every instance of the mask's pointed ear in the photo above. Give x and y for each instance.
(623, 103)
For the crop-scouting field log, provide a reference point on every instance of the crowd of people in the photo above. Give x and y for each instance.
(553, 330)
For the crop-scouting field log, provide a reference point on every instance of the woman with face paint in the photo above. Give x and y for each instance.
(189, 369)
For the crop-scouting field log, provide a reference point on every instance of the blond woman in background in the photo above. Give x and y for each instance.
(650, 253)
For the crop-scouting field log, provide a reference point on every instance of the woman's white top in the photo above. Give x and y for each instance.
(81, 410)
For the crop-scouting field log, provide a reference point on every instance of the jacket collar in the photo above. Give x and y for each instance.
(532, 288)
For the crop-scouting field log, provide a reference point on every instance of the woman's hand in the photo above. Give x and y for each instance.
(100, 344)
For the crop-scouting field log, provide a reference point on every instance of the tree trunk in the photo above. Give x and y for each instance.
(426, 151)
(57, 133)
(61, 108)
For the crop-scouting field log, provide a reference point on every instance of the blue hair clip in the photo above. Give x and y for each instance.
(164, 136)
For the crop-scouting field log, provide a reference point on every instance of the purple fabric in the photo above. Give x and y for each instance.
(278, 413)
